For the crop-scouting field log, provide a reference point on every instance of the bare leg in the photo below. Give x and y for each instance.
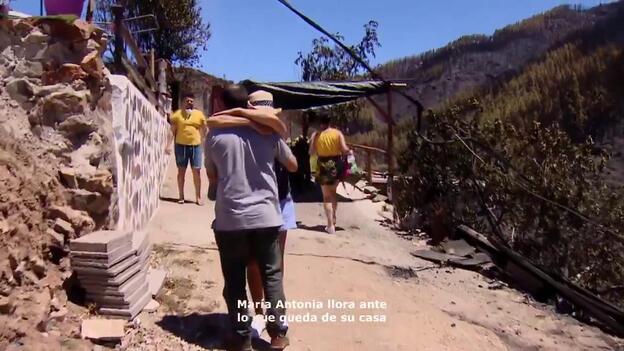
(256, 289)
(181, 174)
(197, 181)
(328, 207)
(334, 203)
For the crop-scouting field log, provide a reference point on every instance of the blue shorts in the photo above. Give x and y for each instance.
(288, 214)
(188, 153)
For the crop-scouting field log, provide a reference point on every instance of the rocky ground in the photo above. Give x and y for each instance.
(55, 176)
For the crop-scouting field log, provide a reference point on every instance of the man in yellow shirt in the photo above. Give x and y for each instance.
(188, 126)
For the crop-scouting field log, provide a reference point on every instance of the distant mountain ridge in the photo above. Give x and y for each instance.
(474, 61)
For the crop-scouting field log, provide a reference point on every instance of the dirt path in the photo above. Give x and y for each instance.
(433, 309)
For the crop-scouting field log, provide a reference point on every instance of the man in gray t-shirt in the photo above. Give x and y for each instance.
(246, 186)
(247, 217)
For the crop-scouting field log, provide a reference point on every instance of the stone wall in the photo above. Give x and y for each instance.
(140, 139)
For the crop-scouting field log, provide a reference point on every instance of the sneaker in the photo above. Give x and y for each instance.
(258, 324)
(279, 342)
(330, 230)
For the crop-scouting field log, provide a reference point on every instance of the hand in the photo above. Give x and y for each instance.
(168, 150)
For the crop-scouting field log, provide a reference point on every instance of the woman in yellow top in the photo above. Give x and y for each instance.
(329, 146)
(188, 126)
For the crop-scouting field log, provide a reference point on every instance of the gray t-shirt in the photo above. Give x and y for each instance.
(247, 190)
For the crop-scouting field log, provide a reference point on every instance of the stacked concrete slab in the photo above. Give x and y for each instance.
(112, 266)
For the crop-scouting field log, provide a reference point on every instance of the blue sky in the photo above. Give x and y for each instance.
(259, 39)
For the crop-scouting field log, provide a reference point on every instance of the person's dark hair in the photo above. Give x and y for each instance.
(325, 120)
(234, 96)
(189, 95)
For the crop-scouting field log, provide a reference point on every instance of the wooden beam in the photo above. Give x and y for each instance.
(138, 80)
(605, 312)
(138, 55)
(90, 11)
(367, 148)
(383, 112)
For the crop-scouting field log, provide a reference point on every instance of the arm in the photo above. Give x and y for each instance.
(211, 169)
(226, 121)
(312, 149)
(343, 145)
(171, 138)
(259, 116)
(203, 130)
(285, 156)
(211, 172)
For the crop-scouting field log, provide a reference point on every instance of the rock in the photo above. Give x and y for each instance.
(38, 266)
(46, 90)
(36, 309)
(59, 315)
(80, 221)
(58, 53)
(23, 28)
(28, 69)
(93, 45)
(86, 29)
(36, 37)
(4, 226)
(68, 177)
(56, 107)
(380, 198)
(64, 227)
(93, 203)
(103, 329)
(56, 239)
(79, 84)
(76, 126)
(20, 90)
(67, 73)
(370, 190)
(101, 182)
(6, 305)
(93, 65)
(89, 154)
(8, 55)
(151, 306)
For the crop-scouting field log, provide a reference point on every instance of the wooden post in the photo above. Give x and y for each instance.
(119, 46)
(390, 154)
(153, 63)
(390, 151)
(90, 10)
(369, 166)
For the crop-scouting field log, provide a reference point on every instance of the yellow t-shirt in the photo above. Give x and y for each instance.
(328, 143)
(188, 126)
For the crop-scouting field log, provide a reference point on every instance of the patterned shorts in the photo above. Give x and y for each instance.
(330, 170)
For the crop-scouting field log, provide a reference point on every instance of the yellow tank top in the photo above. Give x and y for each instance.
(328, 143)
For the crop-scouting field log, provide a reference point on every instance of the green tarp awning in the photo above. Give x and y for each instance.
(295, 96)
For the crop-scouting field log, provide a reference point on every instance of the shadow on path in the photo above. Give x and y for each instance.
(317, 228)
(314, 194)
(209, 331)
